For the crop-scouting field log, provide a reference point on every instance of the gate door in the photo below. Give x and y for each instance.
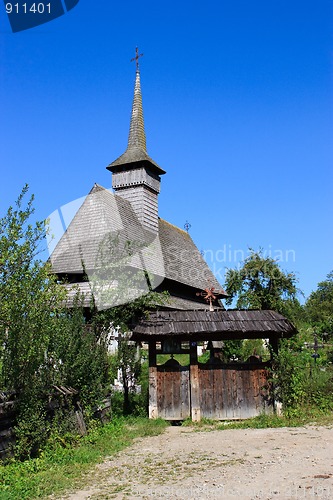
(173, 391)
(233, 392)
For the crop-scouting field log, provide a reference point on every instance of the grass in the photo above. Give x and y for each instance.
(183, 359)
(67, 464)
(306, 417)
(63, 466)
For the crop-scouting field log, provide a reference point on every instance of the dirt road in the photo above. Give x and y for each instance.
(182, 463)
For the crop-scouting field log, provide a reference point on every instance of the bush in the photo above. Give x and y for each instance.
(299, 382)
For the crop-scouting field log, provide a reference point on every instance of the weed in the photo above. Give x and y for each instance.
(61, 467)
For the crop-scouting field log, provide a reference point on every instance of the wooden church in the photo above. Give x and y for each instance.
(120, 236)
(129, 216)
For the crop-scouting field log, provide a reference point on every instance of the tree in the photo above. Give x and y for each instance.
(319, 306)
(42, 342)
(261, 284)
(122, 292)
(30, 299)
(121, 319)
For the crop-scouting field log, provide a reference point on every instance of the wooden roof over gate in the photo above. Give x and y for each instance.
(213, 325)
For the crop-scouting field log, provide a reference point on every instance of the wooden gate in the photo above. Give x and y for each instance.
(217, 392)
(235, 391)
(173, 392)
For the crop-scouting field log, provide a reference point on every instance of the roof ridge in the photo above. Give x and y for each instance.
(97, 187)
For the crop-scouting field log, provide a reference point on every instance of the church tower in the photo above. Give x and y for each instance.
(135, 176)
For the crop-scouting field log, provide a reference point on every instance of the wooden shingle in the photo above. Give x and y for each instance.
(213, 325)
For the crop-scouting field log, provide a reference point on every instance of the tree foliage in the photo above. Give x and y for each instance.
(30, 300)
(42, 342)
(319, 306)
(261, 284)
(301, 382)
(122, 292)
(121, 319)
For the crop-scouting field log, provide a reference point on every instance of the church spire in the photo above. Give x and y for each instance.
(137, 136)
(135, 176)
(136, 153)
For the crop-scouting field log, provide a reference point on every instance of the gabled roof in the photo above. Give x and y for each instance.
(106, 218)
(182, 260)
(216, 325)
(102, 215)
(136, 152)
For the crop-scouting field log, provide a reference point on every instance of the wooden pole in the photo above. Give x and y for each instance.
(153, 409)
(194, 383)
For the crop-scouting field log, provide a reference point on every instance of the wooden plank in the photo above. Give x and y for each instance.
(232, 392)
(153, 410)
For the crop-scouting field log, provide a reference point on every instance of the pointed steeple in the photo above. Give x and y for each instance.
(137, 136)
(135, 176)
(136, 153)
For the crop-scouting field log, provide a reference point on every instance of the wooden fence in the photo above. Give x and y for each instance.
(7, 423)
(60, 397)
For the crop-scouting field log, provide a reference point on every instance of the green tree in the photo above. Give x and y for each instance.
(123, 292)
(299, 383)
(261, 284)
(42, 342)
(30, 302)
(30, 299)
(319, 306)
(81, 356)
(121, 319)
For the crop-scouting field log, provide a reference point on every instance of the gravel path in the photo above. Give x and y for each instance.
(183, 463)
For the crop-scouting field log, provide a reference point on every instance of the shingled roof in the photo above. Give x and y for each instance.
(213, 325)
(104, 216)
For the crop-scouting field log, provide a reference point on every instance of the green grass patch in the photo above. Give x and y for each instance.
(183, 359)
(65, 465)
(308, 417)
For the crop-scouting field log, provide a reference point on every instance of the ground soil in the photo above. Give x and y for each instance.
(184, 463)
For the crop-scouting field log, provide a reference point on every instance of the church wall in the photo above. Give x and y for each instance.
(144, 203)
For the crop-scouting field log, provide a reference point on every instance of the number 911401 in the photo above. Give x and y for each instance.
(24, 8)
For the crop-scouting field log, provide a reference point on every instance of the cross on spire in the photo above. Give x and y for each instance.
(136, 58)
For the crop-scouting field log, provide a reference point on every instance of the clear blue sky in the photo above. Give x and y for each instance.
(238, 108)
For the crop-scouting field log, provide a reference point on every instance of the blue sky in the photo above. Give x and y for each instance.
(238, 104)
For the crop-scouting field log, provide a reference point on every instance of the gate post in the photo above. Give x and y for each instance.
(153, 410)
(194, 383)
